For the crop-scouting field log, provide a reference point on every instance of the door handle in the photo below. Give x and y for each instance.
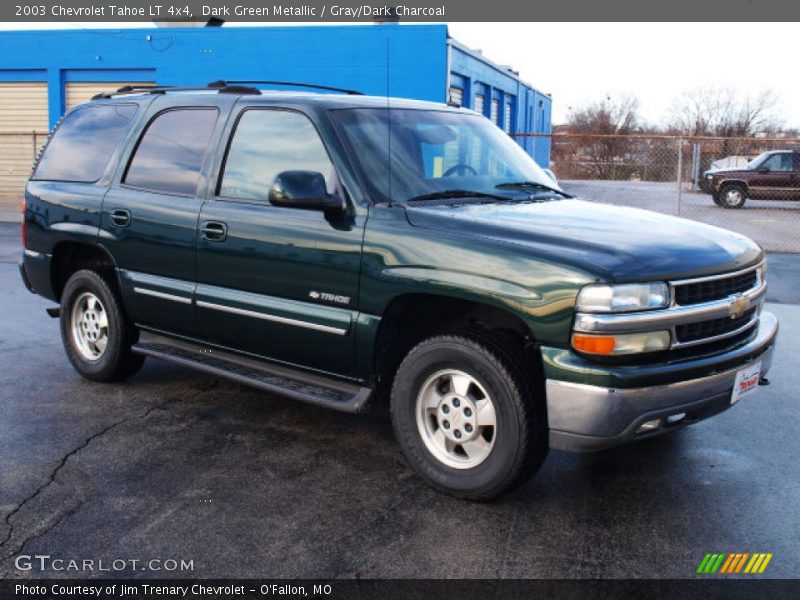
(213, 231)
(120, 217)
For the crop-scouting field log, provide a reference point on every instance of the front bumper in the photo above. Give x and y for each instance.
(586, 416)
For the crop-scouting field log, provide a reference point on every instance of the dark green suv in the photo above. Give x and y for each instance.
(345, 250)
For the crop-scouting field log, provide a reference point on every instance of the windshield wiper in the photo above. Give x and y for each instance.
(444, 194)
(531, 185)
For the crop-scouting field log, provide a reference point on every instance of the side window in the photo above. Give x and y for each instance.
(267, 142)
(779, 162)
(83, 143)
(170, 153)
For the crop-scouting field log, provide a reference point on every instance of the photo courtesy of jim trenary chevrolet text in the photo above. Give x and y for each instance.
(426, 299)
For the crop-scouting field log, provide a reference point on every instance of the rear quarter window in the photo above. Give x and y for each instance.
(83, 143)
(170, 153)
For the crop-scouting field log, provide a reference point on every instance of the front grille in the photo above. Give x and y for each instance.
(715, 289)
(714, 327)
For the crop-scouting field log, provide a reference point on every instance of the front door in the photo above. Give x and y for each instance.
(149, 217)
(774, 178)
(274, 281)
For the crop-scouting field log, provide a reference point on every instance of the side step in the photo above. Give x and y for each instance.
(292, 383)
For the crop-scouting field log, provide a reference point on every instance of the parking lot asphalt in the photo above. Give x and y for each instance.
(174, 464)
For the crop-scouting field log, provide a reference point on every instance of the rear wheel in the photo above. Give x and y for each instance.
(96, 335)
(732, 195)
(468, 415)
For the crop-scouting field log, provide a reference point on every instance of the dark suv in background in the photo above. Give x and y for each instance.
(344, 250)
(773, 175)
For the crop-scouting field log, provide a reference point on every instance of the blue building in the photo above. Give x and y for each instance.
(43, 73)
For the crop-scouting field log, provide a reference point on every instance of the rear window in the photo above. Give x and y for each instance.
(169, 157)
(81, 147)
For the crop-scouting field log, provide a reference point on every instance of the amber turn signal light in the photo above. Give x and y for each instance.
(593, 344)
(621, 343)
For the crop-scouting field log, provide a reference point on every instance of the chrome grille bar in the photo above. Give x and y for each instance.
(670, 318)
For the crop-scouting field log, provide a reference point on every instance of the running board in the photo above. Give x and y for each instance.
(292, 383)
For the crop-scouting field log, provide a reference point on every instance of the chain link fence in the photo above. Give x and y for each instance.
(668, 174)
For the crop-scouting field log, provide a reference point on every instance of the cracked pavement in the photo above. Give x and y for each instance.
(174, 464)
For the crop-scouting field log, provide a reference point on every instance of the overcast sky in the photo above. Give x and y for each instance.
(581, 62)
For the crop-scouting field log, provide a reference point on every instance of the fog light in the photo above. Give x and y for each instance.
(675, 418)
(649, 426)
(627, 343)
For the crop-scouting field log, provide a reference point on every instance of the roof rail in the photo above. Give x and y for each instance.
(221, 83)
(163, 89)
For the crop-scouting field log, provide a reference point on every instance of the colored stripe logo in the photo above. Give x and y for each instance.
(737, 562)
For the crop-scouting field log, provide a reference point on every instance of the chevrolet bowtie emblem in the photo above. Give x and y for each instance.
(738, 306)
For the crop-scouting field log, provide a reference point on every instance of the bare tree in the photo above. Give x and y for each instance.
(723, 112)
(608, 116)
(602, 154)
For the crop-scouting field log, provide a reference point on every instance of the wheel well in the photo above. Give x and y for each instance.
(70, 257)
(411, 318)
(733, 183)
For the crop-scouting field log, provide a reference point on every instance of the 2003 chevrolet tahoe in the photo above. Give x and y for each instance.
(343, 249)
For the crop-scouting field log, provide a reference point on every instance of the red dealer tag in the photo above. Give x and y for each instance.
(746, 382)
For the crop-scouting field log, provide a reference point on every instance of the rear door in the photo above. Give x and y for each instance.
(274, 281)
(149, 216)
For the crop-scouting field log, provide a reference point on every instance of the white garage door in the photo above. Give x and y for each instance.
(78, 93)
(23, 129)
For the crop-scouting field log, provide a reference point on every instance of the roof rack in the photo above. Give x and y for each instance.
(221, 83)
(163, 89)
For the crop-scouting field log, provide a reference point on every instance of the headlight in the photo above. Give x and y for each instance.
(709, 176)
(624, 343)
(623, 298)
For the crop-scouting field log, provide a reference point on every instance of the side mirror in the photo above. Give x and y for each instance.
(303, 189)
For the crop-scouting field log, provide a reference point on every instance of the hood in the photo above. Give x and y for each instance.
(615, 243)
(727, 170)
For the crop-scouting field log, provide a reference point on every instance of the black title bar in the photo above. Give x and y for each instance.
(403, 589)
(349, 11)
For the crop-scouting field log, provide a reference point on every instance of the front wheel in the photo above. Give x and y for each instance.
(96, 335)
(732, 196)
(469, 416)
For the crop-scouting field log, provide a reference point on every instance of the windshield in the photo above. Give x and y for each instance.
(438, 153)
(756, 162)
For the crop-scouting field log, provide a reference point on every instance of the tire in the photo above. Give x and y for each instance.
(97, 336)
(459, 373)
(732, 195)
(715, 197)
